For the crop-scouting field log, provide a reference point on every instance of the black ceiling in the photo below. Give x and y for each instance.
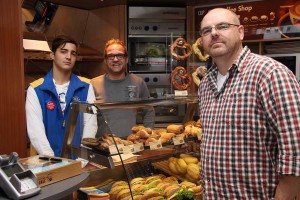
(94, 4)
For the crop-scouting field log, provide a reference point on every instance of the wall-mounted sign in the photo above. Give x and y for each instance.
(263, 19)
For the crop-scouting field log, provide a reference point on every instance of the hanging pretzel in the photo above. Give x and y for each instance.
(198, 74)
(181, 44)
(181, 80)
(198, 49)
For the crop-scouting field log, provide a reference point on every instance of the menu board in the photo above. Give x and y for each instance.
(263, 19)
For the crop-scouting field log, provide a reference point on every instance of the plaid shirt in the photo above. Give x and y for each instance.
(251, 128)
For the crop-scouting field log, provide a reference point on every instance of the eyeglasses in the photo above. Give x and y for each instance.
(113, 56)
(218, 27)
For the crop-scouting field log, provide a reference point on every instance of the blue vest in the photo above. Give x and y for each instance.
(55, 121)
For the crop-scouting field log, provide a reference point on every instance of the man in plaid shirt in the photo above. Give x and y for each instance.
(250, 112)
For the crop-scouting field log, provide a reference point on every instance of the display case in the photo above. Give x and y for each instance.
(172, 162)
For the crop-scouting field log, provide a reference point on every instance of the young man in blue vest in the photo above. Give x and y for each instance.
(48, 101)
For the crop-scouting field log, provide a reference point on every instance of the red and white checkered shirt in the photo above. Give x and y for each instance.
(251, 128)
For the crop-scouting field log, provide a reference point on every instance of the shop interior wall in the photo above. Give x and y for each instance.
(12, 111)
(91, 28)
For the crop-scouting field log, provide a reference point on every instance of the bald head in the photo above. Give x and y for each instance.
(221, 13)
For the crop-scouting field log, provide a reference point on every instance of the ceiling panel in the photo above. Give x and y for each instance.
(94, 4)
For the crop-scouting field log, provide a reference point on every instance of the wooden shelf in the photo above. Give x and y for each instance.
(85, 53)
(32, 55)
(261, 46)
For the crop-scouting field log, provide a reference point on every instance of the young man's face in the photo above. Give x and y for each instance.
(64, 57)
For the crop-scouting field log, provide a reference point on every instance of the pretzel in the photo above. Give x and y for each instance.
(185, 78)
(198, 49)
(181, 44)
(198, 74)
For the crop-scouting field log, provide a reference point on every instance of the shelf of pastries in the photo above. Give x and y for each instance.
(144, 143)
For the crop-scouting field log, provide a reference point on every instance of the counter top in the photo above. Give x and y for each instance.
(59, 189)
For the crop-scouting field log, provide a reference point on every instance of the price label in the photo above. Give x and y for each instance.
(181, 93)
(155, 145)
(128, 149)
(138, 147)
(113, 148)
(178, 140)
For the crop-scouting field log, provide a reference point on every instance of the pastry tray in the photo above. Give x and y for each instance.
(164, 166)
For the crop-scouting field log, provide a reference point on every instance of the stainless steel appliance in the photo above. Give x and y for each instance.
(151, 32)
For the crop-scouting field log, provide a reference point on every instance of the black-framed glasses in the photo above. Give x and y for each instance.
(118, 56)
(218, 27)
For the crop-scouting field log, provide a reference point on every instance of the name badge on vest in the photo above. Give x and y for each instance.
(50, 105)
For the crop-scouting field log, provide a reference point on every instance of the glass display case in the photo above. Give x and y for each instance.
(144, 153)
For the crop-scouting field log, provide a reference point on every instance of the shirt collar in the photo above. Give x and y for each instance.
(238, 63)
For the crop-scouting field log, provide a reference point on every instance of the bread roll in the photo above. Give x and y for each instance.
(157, 198)
(90, 141)
(198, 124)
(143, 134)
(150, 179)
(163, 185)
(135, 187)
(133, 137)
(188, 129)
(188, 184)
(193, 170)
(126, 142)
(167, 137)
(190, 159)
(137, 196)
(173, 128)
(181, 166)
(142, 188)
(136, 128)
(173, 168)
(153, 192)
(189, 123)
(171, 190)
(150, 140)
(116, 190)
(138, 180)
(149, 130)
(196, 189)
(123, 193)
(171, 179)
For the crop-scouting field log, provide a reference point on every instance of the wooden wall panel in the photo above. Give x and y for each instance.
(104, 24)
(12, 97)
(69, 21)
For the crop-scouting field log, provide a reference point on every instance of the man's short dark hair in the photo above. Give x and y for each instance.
(62, 40)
